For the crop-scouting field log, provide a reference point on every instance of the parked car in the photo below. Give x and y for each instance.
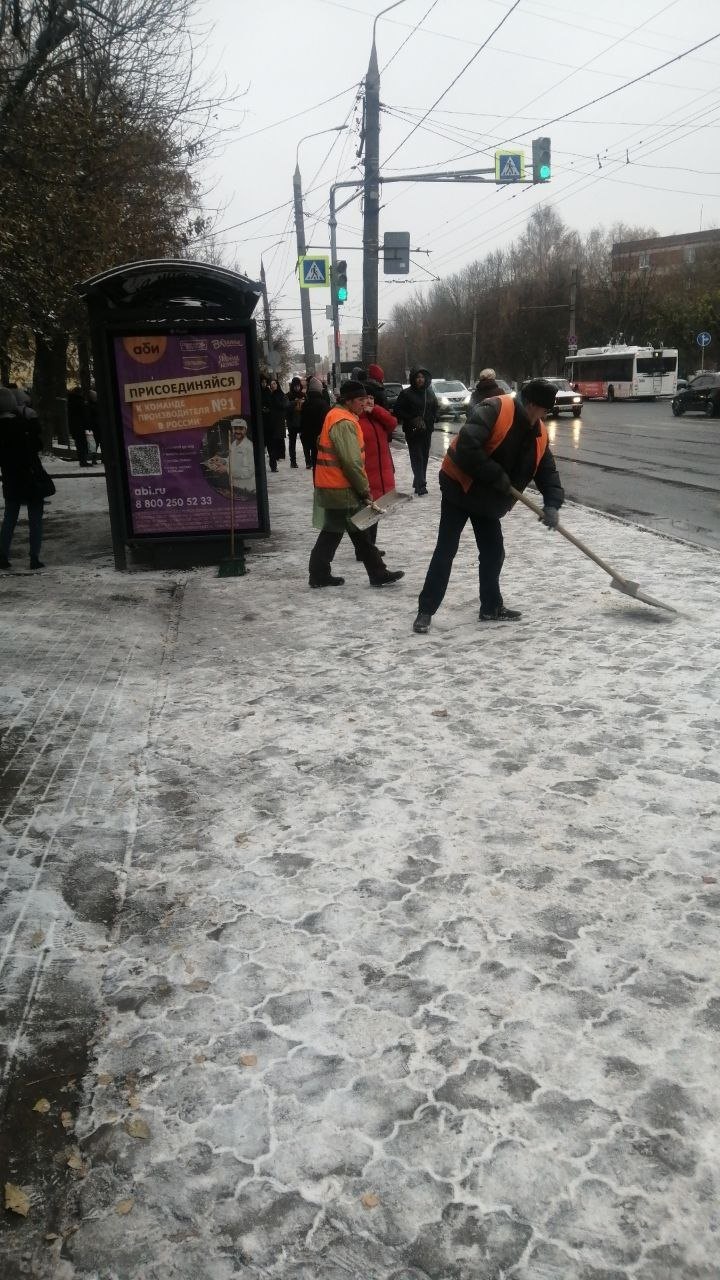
(702, 395)
(567, 399)
(453, 398)
(392, 391)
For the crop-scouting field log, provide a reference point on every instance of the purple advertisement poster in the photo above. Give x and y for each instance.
(191, 447)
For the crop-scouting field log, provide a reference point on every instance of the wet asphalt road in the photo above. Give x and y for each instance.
(637, 460)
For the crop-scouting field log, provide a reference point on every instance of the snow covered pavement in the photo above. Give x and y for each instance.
(393, 957)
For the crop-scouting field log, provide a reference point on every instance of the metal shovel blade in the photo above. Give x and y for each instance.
(633, 589)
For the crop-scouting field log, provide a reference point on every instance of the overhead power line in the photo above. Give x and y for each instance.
(460, 73)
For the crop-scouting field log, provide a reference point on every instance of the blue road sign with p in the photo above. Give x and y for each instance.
(704, 339)
(314, 273)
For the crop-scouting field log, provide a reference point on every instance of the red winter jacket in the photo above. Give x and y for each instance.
(377, 428)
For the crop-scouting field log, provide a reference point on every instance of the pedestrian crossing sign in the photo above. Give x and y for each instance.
(314, 273)
(509, 166)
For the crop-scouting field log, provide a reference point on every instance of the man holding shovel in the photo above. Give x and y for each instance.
(502, 446)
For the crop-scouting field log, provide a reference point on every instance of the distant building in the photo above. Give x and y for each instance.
(663, 254)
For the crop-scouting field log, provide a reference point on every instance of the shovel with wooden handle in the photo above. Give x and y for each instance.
(620, 583)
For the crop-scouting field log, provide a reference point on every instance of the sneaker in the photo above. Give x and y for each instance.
(422, 623)
(36, 564)
(390, 575)
(328, 582)
(5, 563)
(501, 614)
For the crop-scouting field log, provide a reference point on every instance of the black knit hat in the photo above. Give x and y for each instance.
(349, 390)
(540, 392)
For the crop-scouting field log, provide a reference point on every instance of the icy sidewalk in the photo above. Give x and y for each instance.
(415, 975)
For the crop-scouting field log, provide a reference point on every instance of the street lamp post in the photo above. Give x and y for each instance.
(305, 310)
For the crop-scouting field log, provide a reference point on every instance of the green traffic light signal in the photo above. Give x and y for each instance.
(341, 283)
(542, 168)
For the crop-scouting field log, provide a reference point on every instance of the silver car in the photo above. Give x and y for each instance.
(453, 398)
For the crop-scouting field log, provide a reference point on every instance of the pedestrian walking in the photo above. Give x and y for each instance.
(24, 480)
(416, 408)
(92, 412)
(276, 422)
(295, 401)
(503, 443)
(342, 488)
(77, 424)
(377, 425)
(312, 416)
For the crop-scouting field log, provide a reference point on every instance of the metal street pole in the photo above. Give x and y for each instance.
(572, 336)
(305, 309)
(473, 347)
(266, 311)
(371, 211)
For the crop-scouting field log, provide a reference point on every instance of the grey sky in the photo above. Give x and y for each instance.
(549, 58)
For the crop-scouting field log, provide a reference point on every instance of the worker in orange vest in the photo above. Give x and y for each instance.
(341, 489)
(503, 444)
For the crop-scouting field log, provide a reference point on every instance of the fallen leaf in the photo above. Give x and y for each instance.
(66, 1120)
(197, 984)
(75, 1161)
(134, 1101)
(370, 1200)
(136, 1127)
(70, 1087)
(242, 837)
(16, 1200)
(104, 1079)
(441, 715)
(42, 1105)
(709, 879)
(37, 937)
(199, 1057)
(248, 1060)
(124, 1206)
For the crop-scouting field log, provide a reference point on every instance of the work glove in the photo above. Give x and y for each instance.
(550, 517)
(502, 483)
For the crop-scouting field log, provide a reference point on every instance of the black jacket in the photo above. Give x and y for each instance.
(417, 402)
(312, 416)
(20, 445)
(515, 457)
(276, 415)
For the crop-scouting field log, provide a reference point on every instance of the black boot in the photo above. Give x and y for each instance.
(388, 577)
(501, 614)
(326, 582)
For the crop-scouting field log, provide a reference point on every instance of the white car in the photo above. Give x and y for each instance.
(567, 398)
(453, 398)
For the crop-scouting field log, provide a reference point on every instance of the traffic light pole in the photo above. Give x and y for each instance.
(332, 221)
(305, 310)
(371, 212)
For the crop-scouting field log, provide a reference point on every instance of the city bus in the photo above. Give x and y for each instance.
(623, 373)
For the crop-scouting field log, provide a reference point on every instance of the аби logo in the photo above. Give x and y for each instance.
(147, 348)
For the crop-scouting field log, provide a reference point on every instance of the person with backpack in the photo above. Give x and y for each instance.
(24, 481)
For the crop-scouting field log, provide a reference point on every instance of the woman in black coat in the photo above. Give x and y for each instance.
(20, 445)
(296, 400)
(276, 422)
(312, 416)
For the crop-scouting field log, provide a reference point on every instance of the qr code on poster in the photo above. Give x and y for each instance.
(144, 460)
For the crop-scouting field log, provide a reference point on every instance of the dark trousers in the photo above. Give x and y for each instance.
(81, 447)
(274, 451)
(322, 554)
(10, 519)
(419, 450)
(491, 554)
(293, 433)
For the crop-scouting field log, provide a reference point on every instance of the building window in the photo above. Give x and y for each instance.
(643, 260)
(689, 254)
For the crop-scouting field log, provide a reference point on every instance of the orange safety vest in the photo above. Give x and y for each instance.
(502, 425)
(328, 473)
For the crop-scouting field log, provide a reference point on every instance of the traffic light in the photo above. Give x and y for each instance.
(340, 281)
(542, 168)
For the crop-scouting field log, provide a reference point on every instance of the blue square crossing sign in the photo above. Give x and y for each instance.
(314, 273)
(509, 166)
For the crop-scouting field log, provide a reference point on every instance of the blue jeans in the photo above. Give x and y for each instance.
(491, 554)
(10, 519)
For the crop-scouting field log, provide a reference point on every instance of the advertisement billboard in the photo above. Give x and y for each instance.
(189, 434)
